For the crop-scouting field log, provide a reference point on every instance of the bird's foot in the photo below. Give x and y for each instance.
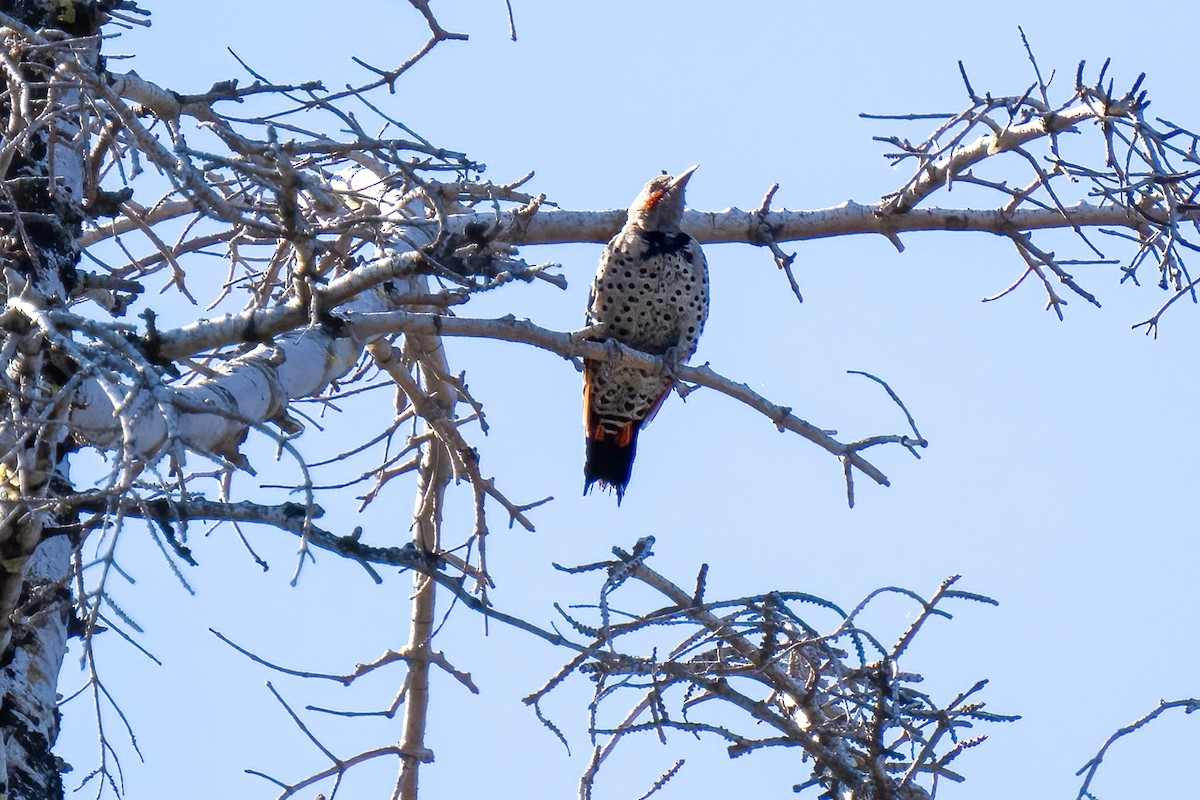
(612, 349)
(596, 332)
(671, 363)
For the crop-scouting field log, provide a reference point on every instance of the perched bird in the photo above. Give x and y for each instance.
(651, 294)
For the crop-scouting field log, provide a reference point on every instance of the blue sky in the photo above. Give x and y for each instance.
(1059, 479)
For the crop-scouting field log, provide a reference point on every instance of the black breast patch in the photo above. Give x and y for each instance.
(663, 244)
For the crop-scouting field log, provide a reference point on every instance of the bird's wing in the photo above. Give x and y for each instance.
(662, 398)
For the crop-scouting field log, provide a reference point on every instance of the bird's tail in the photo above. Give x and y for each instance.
(611, 442)
(610, 451)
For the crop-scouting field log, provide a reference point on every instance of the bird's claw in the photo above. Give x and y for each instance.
(671, 363)
(612, 349)
(590, 333)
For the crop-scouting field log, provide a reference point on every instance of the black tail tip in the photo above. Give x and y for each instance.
(589, 482)
(609, 464)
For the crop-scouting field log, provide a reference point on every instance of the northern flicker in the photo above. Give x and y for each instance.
(650, 293)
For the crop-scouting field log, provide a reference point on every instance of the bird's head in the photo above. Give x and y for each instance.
(659, 207)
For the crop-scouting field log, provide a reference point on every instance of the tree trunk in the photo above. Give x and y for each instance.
(41, 210)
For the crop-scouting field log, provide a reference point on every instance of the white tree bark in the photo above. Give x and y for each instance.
(29, 683)
(212, 415)
(733, 225)
(42, 165)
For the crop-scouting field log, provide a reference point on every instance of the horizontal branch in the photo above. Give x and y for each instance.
(290, 517)
(511, 329)
(259, 325)
(960, 159)
(735, 225)
(711, 227)
(212, 415)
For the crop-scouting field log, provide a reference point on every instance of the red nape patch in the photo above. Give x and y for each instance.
(654, 200)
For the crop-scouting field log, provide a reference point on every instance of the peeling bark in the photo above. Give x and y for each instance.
(42, 208)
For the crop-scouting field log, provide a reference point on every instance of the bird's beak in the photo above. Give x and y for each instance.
(679, 181)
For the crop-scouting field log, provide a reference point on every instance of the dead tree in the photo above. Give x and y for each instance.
(349, 255)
